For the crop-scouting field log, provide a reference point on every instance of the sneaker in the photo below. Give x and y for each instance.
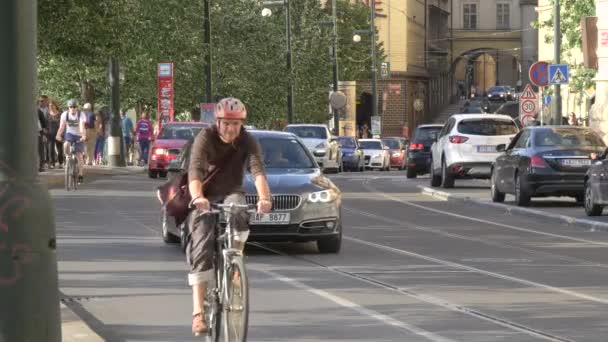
(198, 324)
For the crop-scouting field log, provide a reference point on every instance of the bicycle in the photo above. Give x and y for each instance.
(227, 301)
(71, 168)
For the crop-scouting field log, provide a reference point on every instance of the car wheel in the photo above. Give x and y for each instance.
(447, 179)
(435, 179)
(497, 196)
(152, 174)
(411, 173)
(522, 197)
(591, 209)
(162, 174)
(164, 223)
(184, 234)
(330, 244)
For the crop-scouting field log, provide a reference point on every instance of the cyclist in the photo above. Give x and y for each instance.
(229, 143)
(72, 122)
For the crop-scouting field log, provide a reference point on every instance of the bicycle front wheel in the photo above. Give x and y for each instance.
(235, 308)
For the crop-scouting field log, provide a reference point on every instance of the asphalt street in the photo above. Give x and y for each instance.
(412, 268)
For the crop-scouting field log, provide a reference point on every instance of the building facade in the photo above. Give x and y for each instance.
(493, 43)
(415, 37)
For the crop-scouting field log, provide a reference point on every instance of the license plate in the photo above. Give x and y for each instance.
(486, 149)
(576, 162)
(270, 218)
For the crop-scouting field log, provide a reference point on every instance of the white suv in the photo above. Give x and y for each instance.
(319, 141)
(466, 146)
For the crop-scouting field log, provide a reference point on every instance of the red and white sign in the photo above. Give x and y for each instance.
(603, 38)
(527, 105)
(165, 93)
(528, 93)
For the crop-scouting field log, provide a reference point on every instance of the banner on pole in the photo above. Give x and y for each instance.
(165, 93)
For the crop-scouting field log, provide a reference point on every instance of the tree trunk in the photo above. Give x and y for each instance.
(87, 93)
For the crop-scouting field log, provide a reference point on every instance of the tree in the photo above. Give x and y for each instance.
(571, 13)
(77, 38)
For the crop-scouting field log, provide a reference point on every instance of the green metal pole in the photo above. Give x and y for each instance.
(29, 295)
(116, 150)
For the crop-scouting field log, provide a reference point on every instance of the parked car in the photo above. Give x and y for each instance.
(500, 93)
(307, 206)
(419, 152)
(168, 144)
(545, 161)
(510, 108)
(376, 153)
(596, 186)
(397, 152)
(352, 155)
(466, 147)
(320, 143)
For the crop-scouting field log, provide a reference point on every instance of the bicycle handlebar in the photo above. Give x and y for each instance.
(218, 208)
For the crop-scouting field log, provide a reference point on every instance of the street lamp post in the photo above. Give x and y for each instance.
(207, 45)
(266, 12)
(334, 57)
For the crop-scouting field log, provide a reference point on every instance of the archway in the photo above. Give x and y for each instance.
(479, 70)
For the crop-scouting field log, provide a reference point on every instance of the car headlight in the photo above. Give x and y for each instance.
(324, 196)
(321, 145)
(502, 95)
(161, 151)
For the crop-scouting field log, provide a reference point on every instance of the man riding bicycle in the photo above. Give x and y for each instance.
(227, 143)
(72, 123)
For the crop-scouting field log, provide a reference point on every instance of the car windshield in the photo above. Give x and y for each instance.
(426, 133)
(487, 127)
(347, 142)
(567, 137)
(370, 145)
(393, 144)
(308, 132)
(284, 153)
(179, 132)
(497, 89)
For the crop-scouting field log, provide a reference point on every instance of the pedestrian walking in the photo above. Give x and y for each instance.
(54, 148)
(90, 132)
(41, 130)
(101, 131)
(144, 132)
(572, 120)
(127, 134)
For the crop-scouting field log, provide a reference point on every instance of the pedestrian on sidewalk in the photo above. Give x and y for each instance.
(100, 130)
(127, 133)
(90, 131)
(144, 132)
(43, 104)
(54, 150)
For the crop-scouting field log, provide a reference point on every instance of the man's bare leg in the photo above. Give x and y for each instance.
(198, 312)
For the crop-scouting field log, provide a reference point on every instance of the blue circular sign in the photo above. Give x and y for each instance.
(539, 74)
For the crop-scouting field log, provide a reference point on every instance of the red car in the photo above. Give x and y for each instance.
(168, 144)
(397, 151)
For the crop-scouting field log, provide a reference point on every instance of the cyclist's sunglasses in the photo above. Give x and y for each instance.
(73, 106)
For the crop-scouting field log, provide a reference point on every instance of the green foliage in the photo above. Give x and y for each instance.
(571, 13)
(78, 37)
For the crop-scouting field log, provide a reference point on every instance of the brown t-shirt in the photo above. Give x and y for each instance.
(208, 150)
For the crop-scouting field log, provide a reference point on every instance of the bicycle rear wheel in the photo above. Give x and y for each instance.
(235, 308)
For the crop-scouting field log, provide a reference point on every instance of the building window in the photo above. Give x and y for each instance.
(502, 16)
(470, 16)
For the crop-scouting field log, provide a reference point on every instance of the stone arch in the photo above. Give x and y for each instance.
(483, 68)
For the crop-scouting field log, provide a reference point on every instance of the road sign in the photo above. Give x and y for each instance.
(547, 100)
(376, 126)
(528, 107)
(539, 74)
(528, 93)
(558, 74)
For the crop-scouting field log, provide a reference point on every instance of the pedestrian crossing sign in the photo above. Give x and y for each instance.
(558, 74)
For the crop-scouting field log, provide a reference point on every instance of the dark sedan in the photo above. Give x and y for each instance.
(352, 155)
(500, 93)
(596, 186)
(544, 161)
(419, 151)
(306, 205)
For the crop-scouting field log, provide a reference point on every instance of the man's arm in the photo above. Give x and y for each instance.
(59, 136)
(256, 165)
(198, 162)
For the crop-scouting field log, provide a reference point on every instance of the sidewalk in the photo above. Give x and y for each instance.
(73, 329)
(54, 178)
(561, 210)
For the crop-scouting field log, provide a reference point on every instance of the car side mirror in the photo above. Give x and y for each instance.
(174, 166)
(501, 148)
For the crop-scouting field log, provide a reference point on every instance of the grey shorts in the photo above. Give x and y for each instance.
(201, 246)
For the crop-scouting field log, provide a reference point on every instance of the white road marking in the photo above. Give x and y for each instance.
(448, 213)
(359, 309)
(480, 271)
